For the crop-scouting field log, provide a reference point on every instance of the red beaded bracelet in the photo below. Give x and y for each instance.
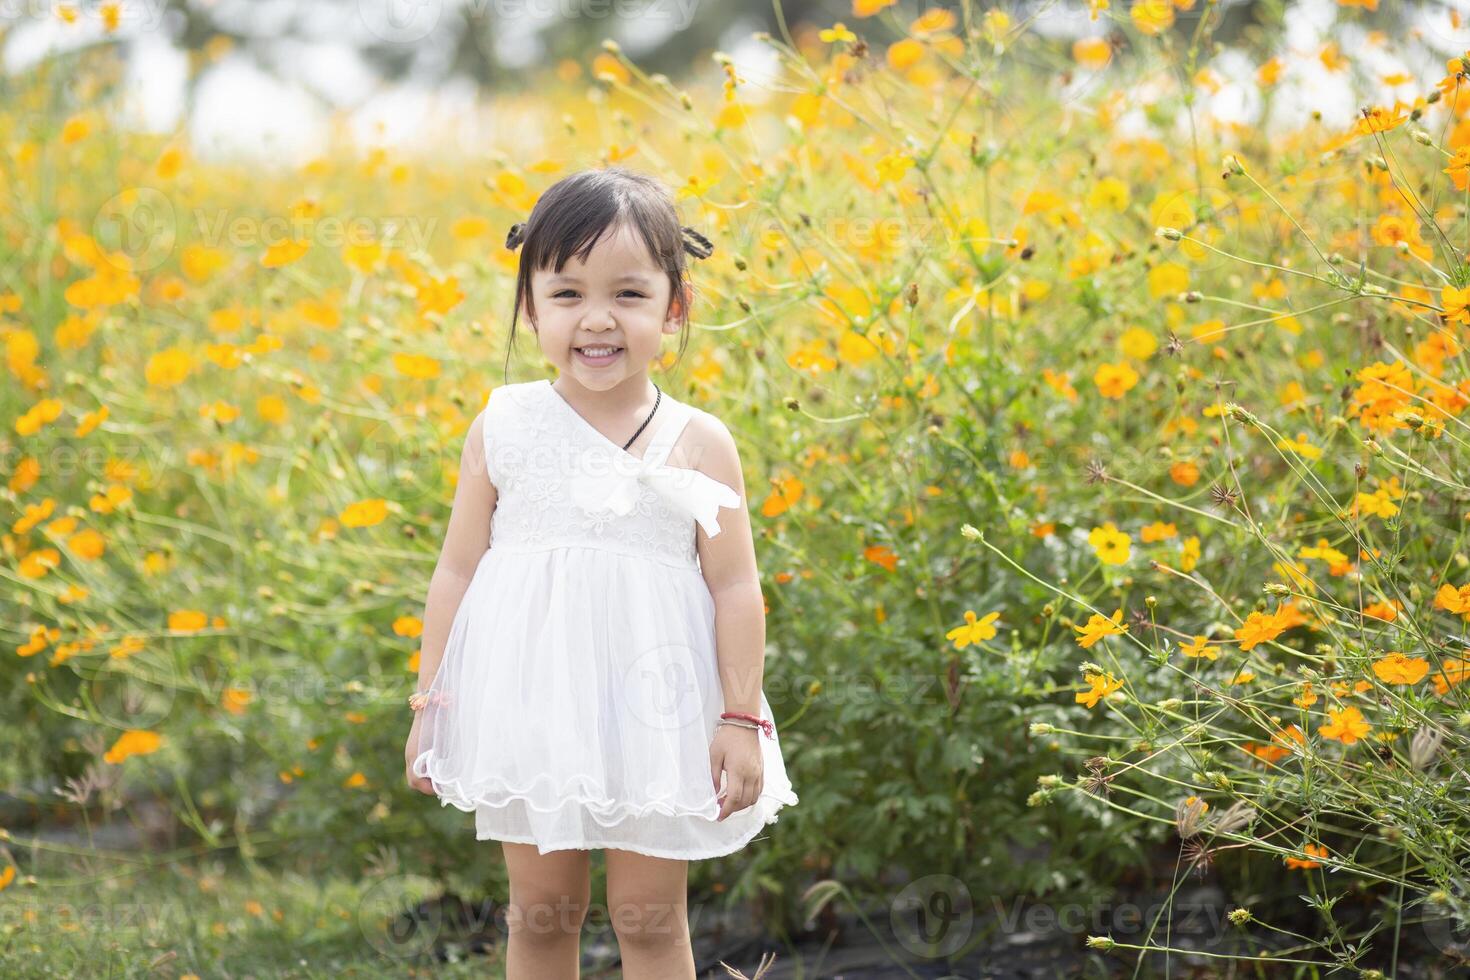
(763, 723)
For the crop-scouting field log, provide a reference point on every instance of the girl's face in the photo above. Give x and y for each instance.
(617, 299)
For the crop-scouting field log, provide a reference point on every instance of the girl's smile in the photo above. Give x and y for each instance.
(598, 355)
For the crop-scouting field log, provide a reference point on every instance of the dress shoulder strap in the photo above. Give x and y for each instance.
(668, 431)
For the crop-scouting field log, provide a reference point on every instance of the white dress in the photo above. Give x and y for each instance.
(578, 693)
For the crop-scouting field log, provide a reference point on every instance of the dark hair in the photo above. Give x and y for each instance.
(572, 215)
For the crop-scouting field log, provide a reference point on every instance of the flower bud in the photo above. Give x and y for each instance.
(1172, 234)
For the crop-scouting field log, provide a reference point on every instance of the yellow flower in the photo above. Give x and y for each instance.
(187, 620)
(1152, 16)
(416, 365)
(168, 367)
(130, 743)
(837, 32)
(1101, 685)
(1115, 380)
(974, 630)
(892, 167)
(1199, 647)
(867, 8)
(284, 253)
(1138, 343)
(1111, 544)
(365, 513)
(1099, 626)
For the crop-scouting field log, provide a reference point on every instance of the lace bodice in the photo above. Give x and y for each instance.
(560, 482)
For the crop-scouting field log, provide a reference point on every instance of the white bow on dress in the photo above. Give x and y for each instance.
(689, 491)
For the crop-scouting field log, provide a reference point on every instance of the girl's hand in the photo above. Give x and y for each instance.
(410, 752)
(737, 751)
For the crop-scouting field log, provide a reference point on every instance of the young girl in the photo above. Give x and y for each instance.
(594, 633)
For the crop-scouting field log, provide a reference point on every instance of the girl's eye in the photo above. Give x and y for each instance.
(568, 292)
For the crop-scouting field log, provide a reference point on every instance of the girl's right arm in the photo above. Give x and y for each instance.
(465, 541)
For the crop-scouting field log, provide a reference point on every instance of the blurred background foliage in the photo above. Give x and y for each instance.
(1098, 374)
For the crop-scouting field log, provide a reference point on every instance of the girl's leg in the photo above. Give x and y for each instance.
(647, 901)
(549, 895)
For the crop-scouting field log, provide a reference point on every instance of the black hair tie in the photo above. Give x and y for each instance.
(516, 235)
(696, 244)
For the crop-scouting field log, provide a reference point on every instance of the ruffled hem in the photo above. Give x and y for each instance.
(580, 791)
(637, 848)
(615, 824)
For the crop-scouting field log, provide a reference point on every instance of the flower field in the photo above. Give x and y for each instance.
(1108, 457)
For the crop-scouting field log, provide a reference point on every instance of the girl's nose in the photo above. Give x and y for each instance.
(599, 318)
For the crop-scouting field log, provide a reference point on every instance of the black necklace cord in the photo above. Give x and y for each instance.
(657, 398)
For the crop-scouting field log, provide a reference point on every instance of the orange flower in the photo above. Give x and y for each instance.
(1157, 531)
(881, 555)
(1312, 851)
(1184, 473)
(1456, 600)
(1347, 725)
(1454, 672)
(1260, 628)
(1395, 668)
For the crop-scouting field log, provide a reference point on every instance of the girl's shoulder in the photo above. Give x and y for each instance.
(508, 397)
(705, 443)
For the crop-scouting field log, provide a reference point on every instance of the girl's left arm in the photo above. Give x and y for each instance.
(729, 568)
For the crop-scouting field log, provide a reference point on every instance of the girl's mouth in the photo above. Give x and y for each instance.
(604, 354)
